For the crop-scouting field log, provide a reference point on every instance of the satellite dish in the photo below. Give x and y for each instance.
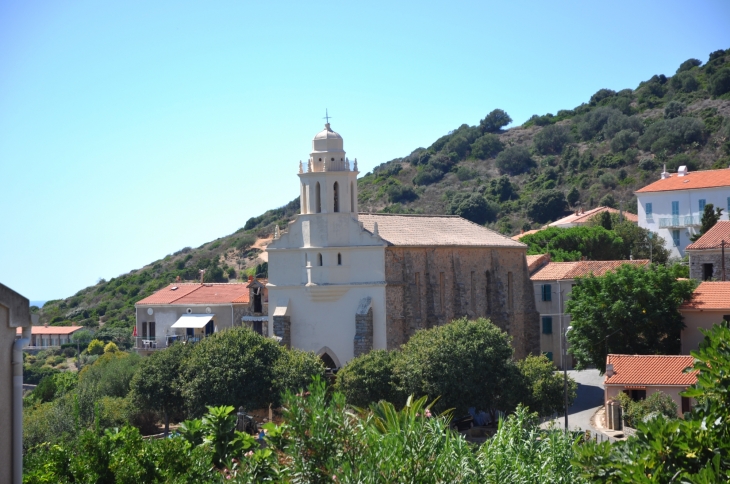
(150, 311)
(207, 310)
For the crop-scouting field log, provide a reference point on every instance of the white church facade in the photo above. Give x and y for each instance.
(343, 283)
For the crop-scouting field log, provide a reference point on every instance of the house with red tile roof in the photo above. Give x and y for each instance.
(709, 305)
(707, 253)
(582, 217)
(191, 311)
(50, 336)
(641, 375)
(673, 205)
(552, 284)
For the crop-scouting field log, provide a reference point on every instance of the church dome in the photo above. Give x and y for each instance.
(327, 133)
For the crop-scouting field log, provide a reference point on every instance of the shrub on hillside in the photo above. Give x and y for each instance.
(623, 140)
(674, 109)
(514, 160)
(401, 193)
(458, 145)
(720, 82)
(494, 121)
(552, 139)
(594, 121)
(608, 180)
(369, 379)
(688, 65)
(546, 206)
(96, 347)
(672, 134)
(684, 82)
(474, 207)
(427, 174)
(487, 146)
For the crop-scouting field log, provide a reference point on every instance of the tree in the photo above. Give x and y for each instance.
(632, 310)
(502, 189)
(514, 160)
(487, 146)
(688, 64)
(604, 220)
(572, 244)
(674, 109)
(157, 386)
(720, 82)
(494, 121)
(369, 378)
(434, 363)
(573, 196)
(474, 207)
(110, 347)
(96, 347)
(709, 218)
(545, 387)
(640, 243)
(546, 206)
(551, 139)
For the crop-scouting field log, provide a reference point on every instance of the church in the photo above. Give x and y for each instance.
(342, 283)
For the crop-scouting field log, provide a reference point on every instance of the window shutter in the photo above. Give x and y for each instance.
(547, 325)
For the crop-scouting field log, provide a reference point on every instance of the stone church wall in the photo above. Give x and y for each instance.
(431, 286)
(697, 259)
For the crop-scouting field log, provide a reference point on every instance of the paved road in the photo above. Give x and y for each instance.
(588, 401)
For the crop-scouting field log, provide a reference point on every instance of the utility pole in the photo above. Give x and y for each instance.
(722, 246)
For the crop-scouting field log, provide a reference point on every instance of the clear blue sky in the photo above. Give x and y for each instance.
(129, 130)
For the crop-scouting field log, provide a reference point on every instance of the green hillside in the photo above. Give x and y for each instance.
(598, 153)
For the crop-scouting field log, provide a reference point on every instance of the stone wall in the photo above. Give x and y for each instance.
(364, 327)
(282, 329)
(697, 258)
(431, 286)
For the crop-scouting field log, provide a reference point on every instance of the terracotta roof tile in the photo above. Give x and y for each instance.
(584, 217)
(713, 237)
(555, 271)
(194, 293)
(534, 262)
(709, 295)
(434, 230)
(52, 329)
(650, 370)
(693, 180)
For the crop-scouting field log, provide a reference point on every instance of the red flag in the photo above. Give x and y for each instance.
(135, 332)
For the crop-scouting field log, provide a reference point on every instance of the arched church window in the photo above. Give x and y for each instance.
(317, 199)
(304, 199)
(336, 190)
(319, 259)
(339, 259)
(329, 363)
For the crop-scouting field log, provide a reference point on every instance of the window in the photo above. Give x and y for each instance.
(336, 190)
(548, 355)
(304, 198)
(686, 407)
(442, 296)
(152, 329)
(703, 202)
(726, 317)
(319, 259)
(352, 197)
(510, 304)
(547, 325)
(472, 292)
(339, 259)
(547, 293)
(707, 272)
(675, 237)
(649, 211)
(675, 215)
(144, 329)
(317, 199)
(728, 206)
(486, 290)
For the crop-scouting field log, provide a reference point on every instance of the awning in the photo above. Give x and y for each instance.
(192, 321)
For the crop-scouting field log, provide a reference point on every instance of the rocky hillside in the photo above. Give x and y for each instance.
(598, 153)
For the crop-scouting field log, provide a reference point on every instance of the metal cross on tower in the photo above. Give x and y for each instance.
(326, 116)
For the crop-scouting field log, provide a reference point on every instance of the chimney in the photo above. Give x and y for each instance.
(682, 171)
(202, 276)
(45, 325)
(664, 172)
(250, 278)
(609, 370)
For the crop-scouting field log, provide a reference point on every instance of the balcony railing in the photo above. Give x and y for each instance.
(150, 343)
(680, 221)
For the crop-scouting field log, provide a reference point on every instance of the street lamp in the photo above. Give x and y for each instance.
(565, 373)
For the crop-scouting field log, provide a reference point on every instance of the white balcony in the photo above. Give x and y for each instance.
(679, 222)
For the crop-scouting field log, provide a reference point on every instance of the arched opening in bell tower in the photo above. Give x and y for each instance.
(317, 199)
(352, 197)
(303, 201)
(336, 191)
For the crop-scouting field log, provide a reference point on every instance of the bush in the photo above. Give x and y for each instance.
(494, 121)
(546, 206)
(514, 160)
(369, 378)
(401, 193)
(475, 208)
(594, 121)
(608, 180)
(600, 95)
(552, 139)
(647, 164)
(684, 82)
(674, 109)
(688, 64)
(427, 175)
(458, 145)
(34, 374)
(607, 201)
(573, 196)
(657, 403)
(720, 82)
(571, 244)
(544, 386)
(96, 347)
(672, 134)
(682, 159)
(110, 347)
(623, 140)
(464, 173)
(295, 369)
(434, 363)
(69, 352)
(109, 376)
(487, 146)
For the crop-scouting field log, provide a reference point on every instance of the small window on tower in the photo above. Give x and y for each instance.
(319, 259)
(339, 259)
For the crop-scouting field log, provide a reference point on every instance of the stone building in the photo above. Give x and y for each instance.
(343, 283)
(705, 255)
(190, 311)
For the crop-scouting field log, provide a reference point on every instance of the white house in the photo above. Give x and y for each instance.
(673, 205)
(342, 283)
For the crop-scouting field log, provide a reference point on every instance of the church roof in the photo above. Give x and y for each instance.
(433, 230)
(327, 133)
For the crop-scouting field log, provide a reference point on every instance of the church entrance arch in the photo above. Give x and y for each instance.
(329, 358)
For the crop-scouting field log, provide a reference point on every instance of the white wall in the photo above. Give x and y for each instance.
(694, 321)
(688, 206)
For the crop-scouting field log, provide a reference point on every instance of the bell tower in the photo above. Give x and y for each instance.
(328, 179)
